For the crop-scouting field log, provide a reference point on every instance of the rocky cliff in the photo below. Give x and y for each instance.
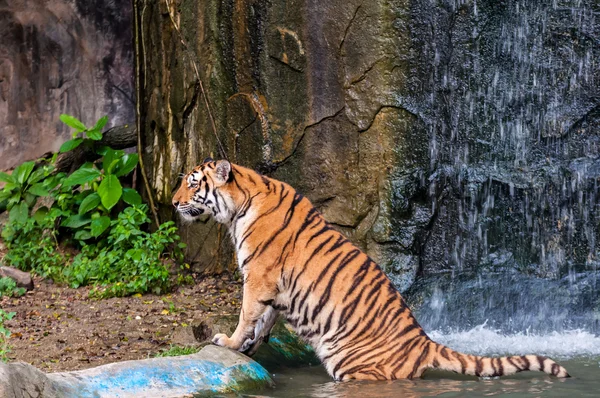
(61, 56)
(437, 135)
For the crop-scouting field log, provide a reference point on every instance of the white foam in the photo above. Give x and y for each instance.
(482, 340)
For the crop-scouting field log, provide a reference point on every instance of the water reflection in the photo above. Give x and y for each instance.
(314, 383)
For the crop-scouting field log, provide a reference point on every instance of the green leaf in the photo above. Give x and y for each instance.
(70, 145)
(131, 197)
(22, 172)
(84, 234)
(72, 122)
(135, 254)
(82, 176)
(5, 194)
(14, 199)
(30, 199)
(7, 178)
(89, 203)
(38, 190)
(126, 165)
(111, 158)
(102, 150)
(40, 174)
(94, 135)
(99, 225)
(110, 191)
(76, 221)
(19, 213)
(40, 214)
(100, 123)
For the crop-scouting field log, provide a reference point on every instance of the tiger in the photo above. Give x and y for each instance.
(334, 296)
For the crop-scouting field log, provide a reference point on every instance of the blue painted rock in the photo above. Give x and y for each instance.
(212, 370)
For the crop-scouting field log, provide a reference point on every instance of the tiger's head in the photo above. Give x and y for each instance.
(202, 191)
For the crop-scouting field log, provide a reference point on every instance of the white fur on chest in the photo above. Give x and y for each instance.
(239, 232)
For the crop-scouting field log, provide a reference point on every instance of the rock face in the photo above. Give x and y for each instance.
(61, 56)
(437, 136)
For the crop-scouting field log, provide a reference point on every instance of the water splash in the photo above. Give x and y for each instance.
(483, 340)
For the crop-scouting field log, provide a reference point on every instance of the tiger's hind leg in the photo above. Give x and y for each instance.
(262, 330)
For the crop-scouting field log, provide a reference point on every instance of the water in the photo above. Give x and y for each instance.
(494, 314)
(313, 382)
(578, 351)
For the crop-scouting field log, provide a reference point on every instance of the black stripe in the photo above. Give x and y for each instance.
(419, 360)
(463, 366)
(500, 367)
(478, 366)
(327, 293)
(541, 360)
(286, 222)
(511, 361)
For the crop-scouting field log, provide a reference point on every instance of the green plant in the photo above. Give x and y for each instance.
(33, 245)
(94, 189)
(8, 287)
(132, 260)
(23, 187)
(116, 254)
(5, 334)
(175, 351)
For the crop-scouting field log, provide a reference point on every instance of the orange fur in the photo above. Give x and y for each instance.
(332, 293)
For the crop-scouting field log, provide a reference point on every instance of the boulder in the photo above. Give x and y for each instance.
(213, 370)
(23, 279)
(21, 380)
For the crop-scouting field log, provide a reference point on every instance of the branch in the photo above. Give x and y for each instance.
(120, 137)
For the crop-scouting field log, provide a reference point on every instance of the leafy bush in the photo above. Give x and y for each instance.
(5, 334)
(8, 287)
(33, 245)
(131, 262)
(23, 187)
(92, 213)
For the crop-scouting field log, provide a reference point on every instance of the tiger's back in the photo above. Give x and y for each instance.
(332, 293)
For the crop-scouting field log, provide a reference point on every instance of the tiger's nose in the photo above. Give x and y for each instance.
(175, 203)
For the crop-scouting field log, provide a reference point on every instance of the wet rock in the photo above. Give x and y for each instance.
(462, 301)
(212, 370)
(23, 279)
(21, 380)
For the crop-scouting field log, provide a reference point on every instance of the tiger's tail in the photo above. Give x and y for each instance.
(448, 359)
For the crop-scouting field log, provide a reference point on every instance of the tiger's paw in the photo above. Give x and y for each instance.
(247, 346)
(222, 340)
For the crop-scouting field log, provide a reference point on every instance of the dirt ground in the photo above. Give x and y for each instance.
(58, 328)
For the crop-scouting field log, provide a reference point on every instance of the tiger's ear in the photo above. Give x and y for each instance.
(222, 171)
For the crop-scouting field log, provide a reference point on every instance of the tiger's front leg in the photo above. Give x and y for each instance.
(253, 307)
(262, 331)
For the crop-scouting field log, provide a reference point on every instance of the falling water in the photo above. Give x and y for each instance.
(514, 121)
(519, 105)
